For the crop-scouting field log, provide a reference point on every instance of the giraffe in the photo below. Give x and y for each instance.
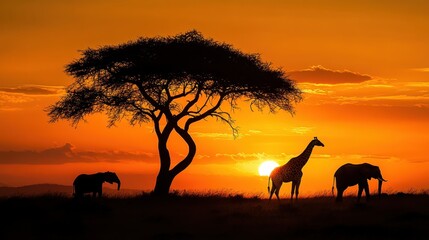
(291, 171)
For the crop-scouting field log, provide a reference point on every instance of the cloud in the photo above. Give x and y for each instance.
(421, 69)
(302, 130)
(390, 97)
(246, 157)
(254, 131)
(34, 90)
(218, 135)
(359, 158)
(215, 135)
(319, 74)
(417, 84)
(227, 157)
(316, 91)
(68, 154)
(17, 98)
(13, 98)
(376, 92)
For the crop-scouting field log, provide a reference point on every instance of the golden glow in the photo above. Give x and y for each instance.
(266, 167)
(362, 67)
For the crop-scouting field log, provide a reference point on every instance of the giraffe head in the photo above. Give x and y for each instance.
(317, 142)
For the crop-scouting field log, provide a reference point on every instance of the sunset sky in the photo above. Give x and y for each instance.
(362, 65)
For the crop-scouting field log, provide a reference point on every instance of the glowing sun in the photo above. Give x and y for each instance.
(266, 167)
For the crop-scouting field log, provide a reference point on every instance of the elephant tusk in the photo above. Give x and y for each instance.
(381, 179)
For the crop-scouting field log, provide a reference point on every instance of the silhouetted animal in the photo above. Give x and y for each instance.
(352, 174)
(291, 171)
(92, 183)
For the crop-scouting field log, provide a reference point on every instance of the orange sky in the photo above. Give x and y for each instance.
(362, 66)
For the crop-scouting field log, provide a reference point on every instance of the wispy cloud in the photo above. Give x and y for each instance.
(390, 97)
(218, 135)
(316, 91)
(421, 69)
(17, 98)
(13, 98)
(254, 131)
(68, 154)
(418, 84)
(222, 157)
(302, 130)
(283, 157)
(359, 158)
(34, 90)
(375, 92)
(12, 101)
(320, 74)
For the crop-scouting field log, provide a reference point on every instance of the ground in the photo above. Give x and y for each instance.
(397, 216)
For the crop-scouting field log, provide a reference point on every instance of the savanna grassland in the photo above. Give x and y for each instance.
(396, 216)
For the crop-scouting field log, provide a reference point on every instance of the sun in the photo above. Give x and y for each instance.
(266, 167)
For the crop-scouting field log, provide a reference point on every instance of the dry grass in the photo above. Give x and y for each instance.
(214, 216)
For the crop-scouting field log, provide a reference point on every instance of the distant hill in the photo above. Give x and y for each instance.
(43, 189)
(3, 185)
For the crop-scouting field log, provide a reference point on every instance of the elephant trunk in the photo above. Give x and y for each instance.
(119, 184)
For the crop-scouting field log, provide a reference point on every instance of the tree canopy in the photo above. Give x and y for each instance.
(172, 82)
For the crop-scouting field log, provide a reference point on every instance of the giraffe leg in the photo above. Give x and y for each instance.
(292, 190)
(278, 190)
(297, 188)
(277, 193)
(272, 190)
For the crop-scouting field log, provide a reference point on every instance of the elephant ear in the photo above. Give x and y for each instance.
(368, 173)
(372, 172)
(110, 177)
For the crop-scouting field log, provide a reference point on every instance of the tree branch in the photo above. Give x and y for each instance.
(208, 98)
(185, 110)
(227, 120)
(156, 125)
(184, 92)
(148, 98)
(182, 165)
(205, 114)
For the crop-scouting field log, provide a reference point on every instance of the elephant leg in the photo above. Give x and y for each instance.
(366, 187)
(340, 192)
(78, 195)
(360, 191)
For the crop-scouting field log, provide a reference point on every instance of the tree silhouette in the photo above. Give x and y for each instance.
(173, 82)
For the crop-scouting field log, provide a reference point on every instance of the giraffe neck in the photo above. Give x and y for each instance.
(304, 156)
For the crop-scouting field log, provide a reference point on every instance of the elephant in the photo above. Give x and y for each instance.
(352, 174)
(87, 183)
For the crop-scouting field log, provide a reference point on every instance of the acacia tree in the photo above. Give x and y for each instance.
(172, 82)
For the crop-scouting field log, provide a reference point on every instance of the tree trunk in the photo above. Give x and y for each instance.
(192, 150)
(166, 176)
(163, 184)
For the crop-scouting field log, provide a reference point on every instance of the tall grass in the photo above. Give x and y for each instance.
(213, 215)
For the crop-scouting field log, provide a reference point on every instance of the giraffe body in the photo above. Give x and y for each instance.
(291, 171)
